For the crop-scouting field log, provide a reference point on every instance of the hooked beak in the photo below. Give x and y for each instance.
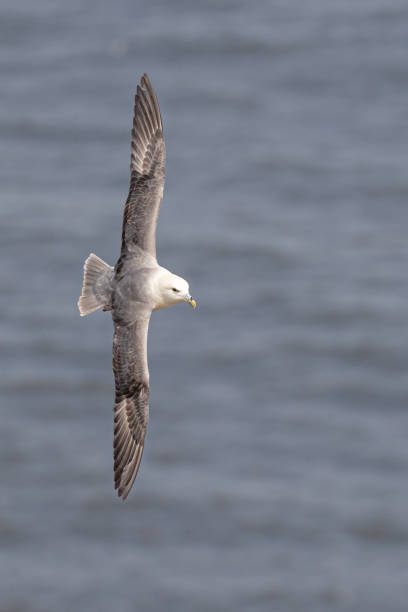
(190, 300)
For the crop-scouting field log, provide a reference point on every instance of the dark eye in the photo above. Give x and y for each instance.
(176, 290)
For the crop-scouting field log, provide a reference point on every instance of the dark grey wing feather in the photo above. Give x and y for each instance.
(148, 159)
(131, 412)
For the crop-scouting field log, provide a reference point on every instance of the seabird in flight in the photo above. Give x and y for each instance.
(135, 287)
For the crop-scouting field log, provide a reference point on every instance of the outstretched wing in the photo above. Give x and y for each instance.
(148, 159)
(131, 400)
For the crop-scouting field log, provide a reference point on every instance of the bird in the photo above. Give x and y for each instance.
(135, 287)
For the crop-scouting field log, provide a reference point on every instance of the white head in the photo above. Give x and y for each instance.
(172, 289)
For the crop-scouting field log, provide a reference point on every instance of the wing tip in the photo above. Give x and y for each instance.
(145, 91)
(127, 477)
(147, 122)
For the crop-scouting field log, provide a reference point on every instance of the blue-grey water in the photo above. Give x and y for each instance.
(275, 471)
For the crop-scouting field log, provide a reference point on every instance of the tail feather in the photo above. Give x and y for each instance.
(97, 285)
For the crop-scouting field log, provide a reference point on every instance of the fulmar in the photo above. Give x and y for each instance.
(135, 287)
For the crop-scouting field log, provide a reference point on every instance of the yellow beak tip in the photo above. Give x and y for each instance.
(193, 303)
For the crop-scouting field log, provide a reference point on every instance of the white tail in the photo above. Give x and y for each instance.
(97, 285)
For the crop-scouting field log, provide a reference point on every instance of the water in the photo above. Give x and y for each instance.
(274, 474)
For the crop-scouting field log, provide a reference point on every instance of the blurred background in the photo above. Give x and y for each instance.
(275, 470)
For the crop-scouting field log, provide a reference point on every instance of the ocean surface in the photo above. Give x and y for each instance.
(275, 473)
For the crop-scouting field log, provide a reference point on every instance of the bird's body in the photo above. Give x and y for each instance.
(135, 287)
